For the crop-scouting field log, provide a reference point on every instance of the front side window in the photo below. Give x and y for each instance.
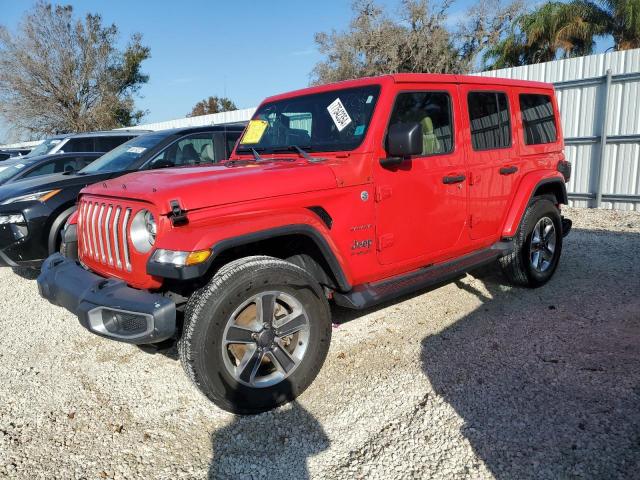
(538, 119)
(59, 165)
(197, 149)
(489, 120)
(44, 169)
(432, 110)
(321, 122)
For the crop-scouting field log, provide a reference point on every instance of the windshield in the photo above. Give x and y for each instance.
(124, 156)
(44, 148)
(10, 169)
(320, 122)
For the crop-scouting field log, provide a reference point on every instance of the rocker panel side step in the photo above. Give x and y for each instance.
(369, 294)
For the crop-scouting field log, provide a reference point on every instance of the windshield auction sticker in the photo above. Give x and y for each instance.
(339, 114)
(136, 150)
(254, 131)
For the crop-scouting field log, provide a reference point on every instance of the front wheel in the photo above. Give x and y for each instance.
(256, 336)
(537, 245)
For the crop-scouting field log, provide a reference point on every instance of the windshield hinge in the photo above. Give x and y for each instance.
(177, 215)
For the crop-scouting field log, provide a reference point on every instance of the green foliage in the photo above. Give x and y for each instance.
(559, 30)
(212, 105)
(59, 73)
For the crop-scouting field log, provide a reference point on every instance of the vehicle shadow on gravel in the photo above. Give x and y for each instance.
(275, 444)
(26, 272)
(547, 381)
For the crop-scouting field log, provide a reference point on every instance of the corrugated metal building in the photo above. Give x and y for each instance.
(241, 115)
(599, 99)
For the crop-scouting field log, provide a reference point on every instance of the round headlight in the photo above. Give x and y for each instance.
(143, 231)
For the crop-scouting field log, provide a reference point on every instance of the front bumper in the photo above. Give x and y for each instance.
(107, 306)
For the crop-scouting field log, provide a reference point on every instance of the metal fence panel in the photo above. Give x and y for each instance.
(609, 173)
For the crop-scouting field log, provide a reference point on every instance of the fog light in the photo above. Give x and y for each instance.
(119, 323)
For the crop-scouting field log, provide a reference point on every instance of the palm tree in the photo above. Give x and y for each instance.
(558, 29)
(618, 18)
(549, 31)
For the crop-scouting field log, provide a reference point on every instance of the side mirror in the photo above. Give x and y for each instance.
(403, 140)
(68, 169)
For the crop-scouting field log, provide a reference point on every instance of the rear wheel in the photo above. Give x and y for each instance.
(256, 336)
(537, 245)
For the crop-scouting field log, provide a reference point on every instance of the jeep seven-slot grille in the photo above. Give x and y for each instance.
(102, 227)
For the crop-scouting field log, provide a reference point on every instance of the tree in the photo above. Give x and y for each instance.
(212, 105)
(618, 18)
(558, 29)
(375, 44)
(552, 30)
(418, 40)
(61, 74)
(487, 24)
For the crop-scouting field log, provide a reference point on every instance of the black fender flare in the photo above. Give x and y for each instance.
(196, 271)
(299, 229)
(552, 181)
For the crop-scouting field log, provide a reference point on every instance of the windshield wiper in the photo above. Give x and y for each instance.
(301, 152)
(256, 155)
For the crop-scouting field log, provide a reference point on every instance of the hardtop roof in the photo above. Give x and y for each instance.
(413, 78)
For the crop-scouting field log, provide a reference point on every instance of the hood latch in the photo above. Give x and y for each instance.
(177, 215)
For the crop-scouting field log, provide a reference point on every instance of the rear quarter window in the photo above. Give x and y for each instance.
(538, 119)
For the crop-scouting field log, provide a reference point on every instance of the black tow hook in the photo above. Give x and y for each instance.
(566, 226)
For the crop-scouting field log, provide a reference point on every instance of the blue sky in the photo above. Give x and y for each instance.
(244, 50)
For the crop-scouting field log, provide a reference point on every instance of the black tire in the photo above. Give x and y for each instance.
(517, 266)
(208, 311)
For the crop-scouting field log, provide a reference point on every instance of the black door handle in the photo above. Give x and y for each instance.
(448, 180)
(508, 170)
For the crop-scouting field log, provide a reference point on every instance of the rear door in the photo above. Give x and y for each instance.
(418, 215)
(492, 158)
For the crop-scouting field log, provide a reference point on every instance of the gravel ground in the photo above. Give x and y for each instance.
(473, 380)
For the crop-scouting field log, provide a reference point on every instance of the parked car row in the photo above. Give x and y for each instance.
(38, 194)
(353, 193)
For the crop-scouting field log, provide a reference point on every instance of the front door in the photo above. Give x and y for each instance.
(492, 159)
(421, 205)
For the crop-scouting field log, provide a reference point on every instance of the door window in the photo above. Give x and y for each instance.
(104, 144)
(78, 145)
(195, 149)
(432, 110)
(489, 120)
(44, 169)
(538, 120)
(59, 165)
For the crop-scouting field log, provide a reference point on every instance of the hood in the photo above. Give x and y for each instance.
(200, 187)
(47, 182)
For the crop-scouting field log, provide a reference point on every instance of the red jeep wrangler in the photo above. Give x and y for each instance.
(355, 192)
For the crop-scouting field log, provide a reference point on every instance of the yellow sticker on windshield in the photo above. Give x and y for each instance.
(254, 131)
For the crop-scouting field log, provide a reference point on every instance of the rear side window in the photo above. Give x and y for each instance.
(104, 144)
(538, 120)
(489, 120)
(78, 145)
(432, 110)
